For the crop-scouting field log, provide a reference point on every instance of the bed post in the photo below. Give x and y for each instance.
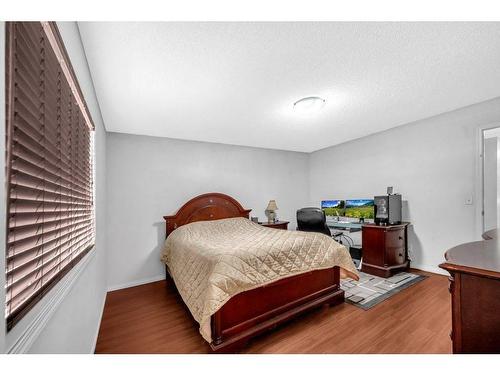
(338, 298)
(168, 278)
(216, 328)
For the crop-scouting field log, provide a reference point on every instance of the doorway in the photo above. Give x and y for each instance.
(491, 178)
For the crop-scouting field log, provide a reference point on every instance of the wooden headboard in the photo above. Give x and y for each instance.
(209, 206)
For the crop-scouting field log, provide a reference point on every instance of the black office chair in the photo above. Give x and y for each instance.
(313, 219)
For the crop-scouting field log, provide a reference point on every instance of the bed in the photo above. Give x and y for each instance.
(238, 278)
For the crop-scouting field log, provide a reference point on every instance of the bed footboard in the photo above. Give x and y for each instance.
(255, 311)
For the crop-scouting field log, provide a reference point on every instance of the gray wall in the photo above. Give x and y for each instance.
(149, 177)
(66, 320)
(432, 162)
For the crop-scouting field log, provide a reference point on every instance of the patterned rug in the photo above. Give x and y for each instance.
(371, 290)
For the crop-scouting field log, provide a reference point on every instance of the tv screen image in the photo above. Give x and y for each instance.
(333, 207)
(360, 208)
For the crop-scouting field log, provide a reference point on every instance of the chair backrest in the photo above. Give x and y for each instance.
(312, 219)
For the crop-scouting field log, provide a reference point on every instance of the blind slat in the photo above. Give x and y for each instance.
(51, 229)
(38, 240)
(28, 272)
(67, 169)
(20, 191)
(30, 181)
(20, 221)
(49, 256)
(21, 287)
(23, 252)
(28, 167)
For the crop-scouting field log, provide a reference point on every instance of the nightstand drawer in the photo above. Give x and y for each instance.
(276, 225)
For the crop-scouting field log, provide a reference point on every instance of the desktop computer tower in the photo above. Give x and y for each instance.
(387, 209)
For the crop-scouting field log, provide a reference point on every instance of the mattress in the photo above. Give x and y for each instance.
(212, 261)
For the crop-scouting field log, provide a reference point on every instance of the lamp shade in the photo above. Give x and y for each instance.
(272, 205)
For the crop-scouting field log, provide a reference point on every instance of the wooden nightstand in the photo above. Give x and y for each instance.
(276, 224)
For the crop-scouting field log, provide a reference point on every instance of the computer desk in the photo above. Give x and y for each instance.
(345, 225)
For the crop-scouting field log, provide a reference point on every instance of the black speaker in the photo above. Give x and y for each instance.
(388, 209)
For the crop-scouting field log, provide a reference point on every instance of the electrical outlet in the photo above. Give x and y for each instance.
(469, 201)
(410, 254)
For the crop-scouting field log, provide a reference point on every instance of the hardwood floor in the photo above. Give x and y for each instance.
(152, 318)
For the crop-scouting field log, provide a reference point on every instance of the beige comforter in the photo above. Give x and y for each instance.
(212, 261)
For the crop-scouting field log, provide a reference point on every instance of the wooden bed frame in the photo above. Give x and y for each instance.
(252, 312)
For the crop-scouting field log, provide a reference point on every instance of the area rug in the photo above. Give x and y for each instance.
(371, 290)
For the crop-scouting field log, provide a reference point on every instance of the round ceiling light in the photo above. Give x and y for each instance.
(309, 105)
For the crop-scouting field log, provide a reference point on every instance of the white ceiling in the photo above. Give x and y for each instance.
(235, 83)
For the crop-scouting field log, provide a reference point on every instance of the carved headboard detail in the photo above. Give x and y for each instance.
(209, 206)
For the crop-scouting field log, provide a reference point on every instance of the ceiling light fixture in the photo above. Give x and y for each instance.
(309, 105)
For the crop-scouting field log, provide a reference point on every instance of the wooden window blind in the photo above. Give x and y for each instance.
(49, 166)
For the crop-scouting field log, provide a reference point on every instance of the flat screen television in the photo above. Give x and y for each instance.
(333, 207)
(360, 208)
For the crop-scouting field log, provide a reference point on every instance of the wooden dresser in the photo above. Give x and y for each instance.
(385, 249)
(491, 234)
(475, 296)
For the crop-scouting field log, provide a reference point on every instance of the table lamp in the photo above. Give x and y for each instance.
(271, 211)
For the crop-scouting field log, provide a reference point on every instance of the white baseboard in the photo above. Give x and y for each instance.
(96, 335)
(136, 283)
(432, 269)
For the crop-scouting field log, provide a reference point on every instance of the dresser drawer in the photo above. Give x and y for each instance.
(395, 238)
(395, 247)
(395, 255)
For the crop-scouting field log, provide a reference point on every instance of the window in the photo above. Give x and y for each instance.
(49, 166)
